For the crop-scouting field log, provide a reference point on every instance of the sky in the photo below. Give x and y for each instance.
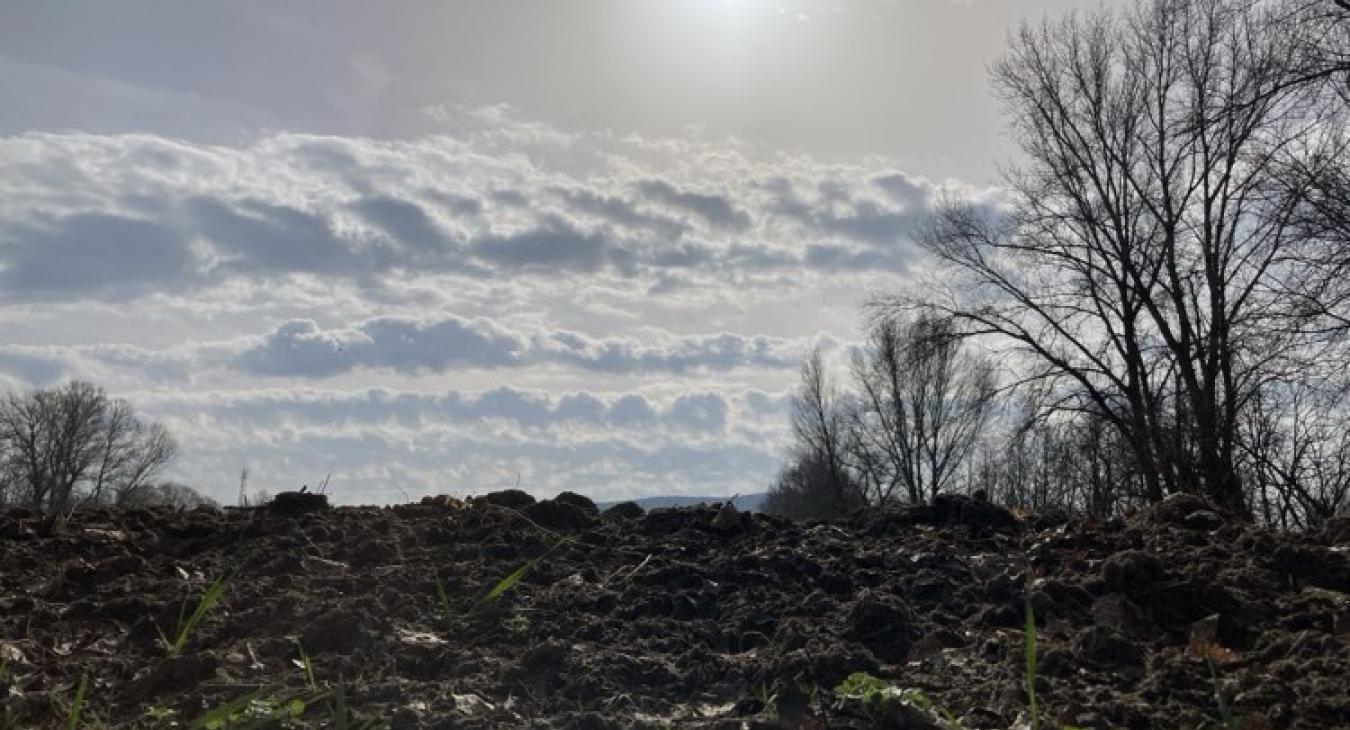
(442, 248)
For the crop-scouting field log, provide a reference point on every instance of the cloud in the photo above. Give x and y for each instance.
(27, 368)
(623, 212)
(412, 347)
(553, 246)
(910, 191)
(715, 210)
(616, 313)
(700, 412)
(139, 214)
(101, 254)
(301, 348)
(609, 445)
(256, 236)
(407, 223)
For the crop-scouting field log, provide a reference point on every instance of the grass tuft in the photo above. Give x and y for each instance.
(207, 602)
(882, 699)
(510, 581)
(307, 666)
(76, 705)
(256, 709)
(515, 576)
(443, 600)
(1226, 716)
(340, 707)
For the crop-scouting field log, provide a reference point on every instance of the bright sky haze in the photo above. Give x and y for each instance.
(448, 247)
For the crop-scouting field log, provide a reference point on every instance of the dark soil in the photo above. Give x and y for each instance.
(696, 617)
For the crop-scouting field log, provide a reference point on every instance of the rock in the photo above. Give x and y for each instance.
(557, 515)
(509, 498)
(1106, 647)
(999, 616)
(935, 641)
(444, 501)
(980, 516)
(405, 718)
(126, 609)
(580, 501)
(1131, 571)
(546, 658)
(174, 675)
(1055, 662)
(339, 631)
(881, 623)
(625, 511)
(1117, 612)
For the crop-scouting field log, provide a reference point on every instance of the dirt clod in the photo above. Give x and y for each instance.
(699, 617)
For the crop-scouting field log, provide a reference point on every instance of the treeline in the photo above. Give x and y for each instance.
(73, 446)
(1160, 303)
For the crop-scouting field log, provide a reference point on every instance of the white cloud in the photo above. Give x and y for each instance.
(301, 348)
(612, 445)
(611, 311)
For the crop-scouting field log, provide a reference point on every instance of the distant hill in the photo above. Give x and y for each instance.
(743, 502)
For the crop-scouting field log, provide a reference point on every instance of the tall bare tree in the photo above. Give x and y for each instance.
(821, 426)
(1143, 266)
(1297, 447)
(72, 443)
(923, 402)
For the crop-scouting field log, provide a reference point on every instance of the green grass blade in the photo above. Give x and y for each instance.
(514, 577)
(339, 708)
(208, 601)
(509, 582)
(1225, 712)
(309, 668)
(73, 719)
(443, 598)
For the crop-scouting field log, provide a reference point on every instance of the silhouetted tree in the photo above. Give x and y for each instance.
(73, 444)
(806, 490)
(165, 494)
(916, 411)
(922, 403)
(820, 425)
(1142, 268)
(1296, 446)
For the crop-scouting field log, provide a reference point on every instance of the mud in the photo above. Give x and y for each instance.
(697, 617)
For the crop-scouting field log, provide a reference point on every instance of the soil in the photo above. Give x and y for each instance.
(686, 618)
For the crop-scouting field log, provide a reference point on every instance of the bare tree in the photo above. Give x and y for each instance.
(820, 424)
(1071, 462)
(129, 453)
(1322, 30)
(72, 443)
(805, 489)
(922, 405)
(1142, 268)
(165, 494)
(1297, 448)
